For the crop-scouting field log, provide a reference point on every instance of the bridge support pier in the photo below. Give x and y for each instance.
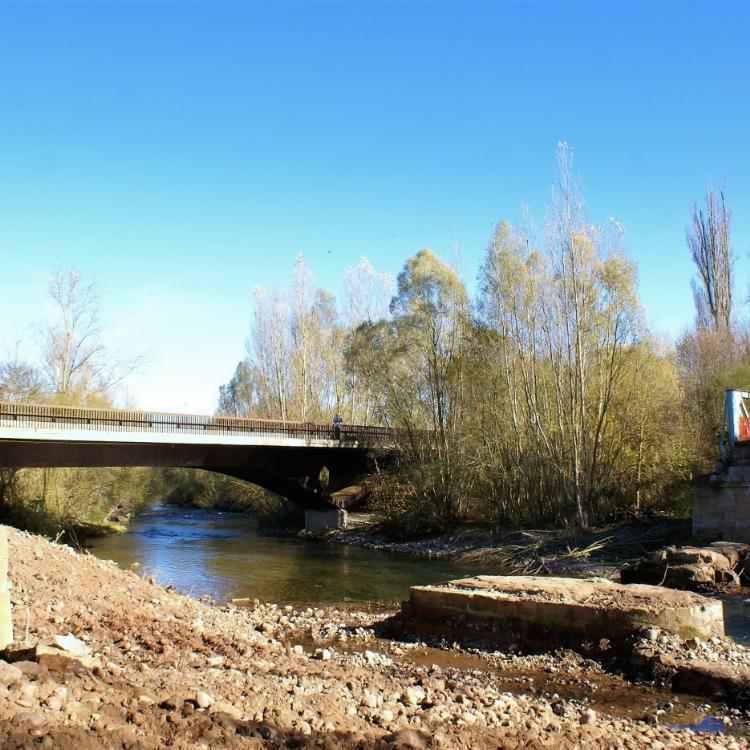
(317, 521)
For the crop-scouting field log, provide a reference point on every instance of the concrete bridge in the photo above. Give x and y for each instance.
(287, 458)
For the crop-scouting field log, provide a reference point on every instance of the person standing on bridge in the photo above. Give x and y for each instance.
(337, 421)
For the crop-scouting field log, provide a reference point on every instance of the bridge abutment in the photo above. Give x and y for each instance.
(317, 521)
(6, 618)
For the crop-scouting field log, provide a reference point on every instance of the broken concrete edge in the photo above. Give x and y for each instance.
(567, 610)
(6, 615)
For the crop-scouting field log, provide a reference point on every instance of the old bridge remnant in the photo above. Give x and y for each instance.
(721, 500)
(566, 609)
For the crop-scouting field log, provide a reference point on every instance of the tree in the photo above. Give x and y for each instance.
(566, 324)
(76, 363)
(239, 397)
(20, 381)
(367, 294)
(72, 350)
(413, 362)
(269, 351)
(711, 252)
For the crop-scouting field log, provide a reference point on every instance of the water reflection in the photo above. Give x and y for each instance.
(222, 554)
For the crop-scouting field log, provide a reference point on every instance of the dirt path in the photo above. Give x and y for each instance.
(175, 672)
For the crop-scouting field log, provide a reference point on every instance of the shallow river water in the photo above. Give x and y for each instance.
(224, 555)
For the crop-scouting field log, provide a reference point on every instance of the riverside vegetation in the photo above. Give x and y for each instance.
(551, 402)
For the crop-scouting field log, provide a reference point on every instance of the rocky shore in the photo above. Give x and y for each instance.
(106, 659)
(597, 552)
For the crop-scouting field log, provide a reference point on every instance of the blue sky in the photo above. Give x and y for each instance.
(180, 154)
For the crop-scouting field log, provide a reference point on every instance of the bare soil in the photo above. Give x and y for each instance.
(176, 672)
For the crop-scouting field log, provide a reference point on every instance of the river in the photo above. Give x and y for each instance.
(225, 556)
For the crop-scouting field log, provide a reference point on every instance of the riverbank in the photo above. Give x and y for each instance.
(166, 670)
(597, 552)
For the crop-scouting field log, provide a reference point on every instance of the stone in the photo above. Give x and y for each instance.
(55, 702)
(71, 645)
(30, 718)
(57, 660)
(9, 674)
(690, 568)
(588, 716)
(413, 696)
(709, 678)
(203, 699)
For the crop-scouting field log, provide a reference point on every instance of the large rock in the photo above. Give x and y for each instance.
(718, 680)
(716, 567)
(567, 608)
(62, 653)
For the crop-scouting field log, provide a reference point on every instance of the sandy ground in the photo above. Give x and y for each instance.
(168, 671)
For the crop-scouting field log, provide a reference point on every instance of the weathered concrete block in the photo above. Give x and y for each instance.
(317, 521)
(721, 508)
(6, 617)
(568, 608)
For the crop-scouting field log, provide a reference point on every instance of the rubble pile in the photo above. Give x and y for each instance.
(721, 566)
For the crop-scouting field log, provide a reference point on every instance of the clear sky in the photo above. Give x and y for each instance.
(180, 154)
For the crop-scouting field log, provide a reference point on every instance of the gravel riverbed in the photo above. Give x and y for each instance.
(164, 670)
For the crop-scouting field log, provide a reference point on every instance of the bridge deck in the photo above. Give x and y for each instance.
(42, 422)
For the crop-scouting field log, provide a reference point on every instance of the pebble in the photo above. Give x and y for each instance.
(588, 716)
(203, 699)
(9, 674)
(414, 695)
(31, 717)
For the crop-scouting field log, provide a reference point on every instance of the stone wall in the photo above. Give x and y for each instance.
(6, 621)
(721, 505)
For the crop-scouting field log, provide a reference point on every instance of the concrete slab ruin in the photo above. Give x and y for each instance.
(567, 608)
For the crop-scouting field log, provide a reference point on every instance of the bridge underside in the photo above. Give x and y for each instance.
(290, 471)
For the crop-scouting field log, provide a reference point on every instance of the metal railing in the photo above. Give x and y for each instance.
(126, 420)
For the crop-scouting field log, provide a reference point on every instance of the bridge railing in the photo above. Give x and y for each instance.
(125, 420)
